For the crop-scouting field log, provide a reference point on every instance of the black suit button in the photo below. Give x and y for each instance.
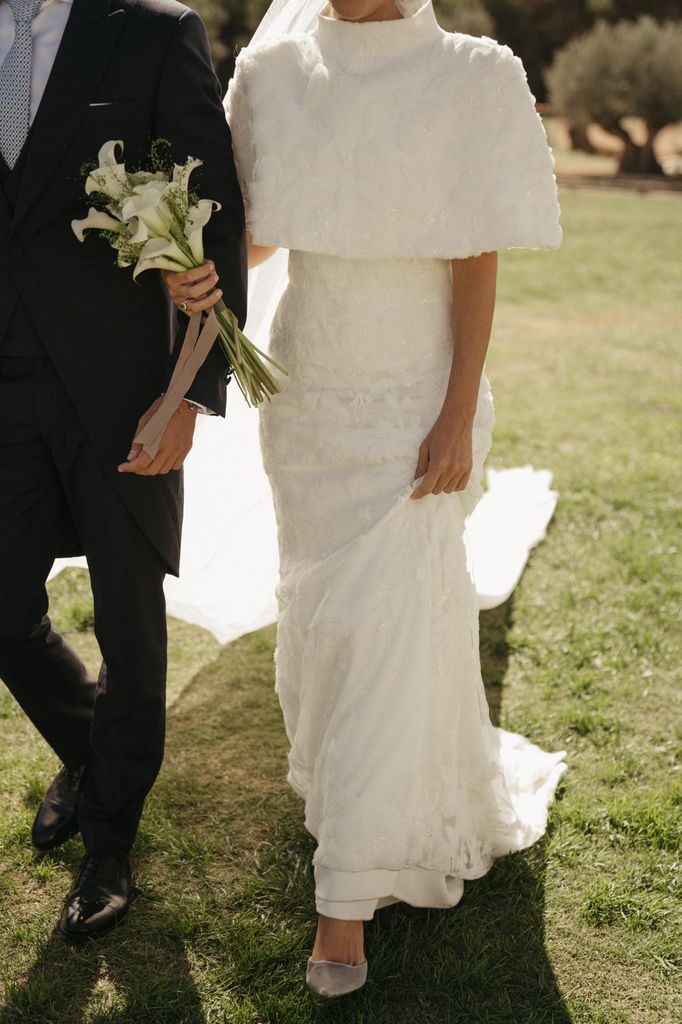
(17, 251)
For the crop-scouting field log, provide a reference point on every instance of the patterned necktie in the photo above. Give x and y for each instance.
(15, 82)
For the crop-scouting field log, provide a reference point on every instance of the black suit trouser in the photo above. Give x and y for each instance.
(52, 486)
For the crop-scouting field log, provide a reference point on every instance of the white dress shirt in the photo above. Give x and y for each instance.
(48, 29)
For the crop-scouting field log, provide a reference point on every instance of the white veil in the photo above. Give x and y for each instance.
(285, 16)
(268, 282)
(230, 560)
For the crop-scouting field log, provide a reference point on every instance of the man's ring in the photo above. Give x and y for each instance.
(183, 306)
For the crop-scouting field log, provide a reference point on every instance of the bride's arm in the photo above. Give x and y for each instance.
(258, 253)
(445, 456)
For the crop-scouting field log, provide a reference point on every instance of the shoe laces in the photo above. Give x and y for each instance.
(69, 778)
(95, 868)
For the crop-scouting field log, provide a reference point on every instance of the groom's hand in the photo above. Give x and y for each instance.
(175, 446)
(193, 291)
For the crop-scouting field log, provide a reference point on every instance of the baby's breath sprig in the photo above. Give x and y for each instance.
(87, 167)
(160, 156)
(128, 252)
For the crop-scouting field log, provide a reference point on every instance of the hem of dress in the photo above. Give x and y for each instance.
(357, 895)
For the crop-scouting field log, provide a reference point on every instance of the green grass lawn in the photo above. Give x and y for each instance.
(583, 928)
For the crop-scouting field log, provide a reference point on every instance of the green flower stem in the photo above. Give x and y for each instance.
(177, 233)
(252, 375)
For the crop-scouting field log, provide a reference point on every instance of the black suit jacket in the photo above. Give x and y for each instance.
(134, 70)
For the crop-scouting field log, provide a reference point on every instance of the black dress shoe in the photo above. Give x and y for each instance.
(57, 817)
(99, 899)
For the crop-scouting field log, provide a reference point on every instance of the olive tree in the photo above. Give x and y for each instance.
(537, 29)
(622, 70)
(469, 16)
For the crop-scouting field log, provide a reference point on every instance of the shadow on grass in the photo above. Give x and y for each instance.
(494, 626)
(136, 975)
(484, 962)
(227, 888)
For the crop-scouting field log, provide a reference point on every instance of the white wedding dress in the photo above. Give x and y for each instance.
(375, 154)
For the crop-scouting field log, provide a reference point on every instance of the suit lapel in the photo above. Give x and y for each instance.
(89, 38)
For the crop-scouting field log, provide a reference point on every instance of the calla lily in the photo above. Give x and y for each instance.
(107, 154)
(153, 222)
(110, 181)
(110, 177)
(147, 205)
(96, 219)
(183, 172)
(197, 219)
(138, 231)
(144, 177)
(153, 191)
(161, 254)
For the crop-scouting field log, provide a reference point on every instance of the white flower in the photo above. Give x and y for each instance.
(97, 219)
(161, 254)
(143, 177)
(183, 172)
(197, 219)
(110, 177)
(138, 231)
(147, 205)
(107, 154)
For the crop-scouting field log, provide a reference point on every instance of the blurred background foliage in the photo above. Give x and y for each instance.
(535, 29)
(595, 61)
(619, 71)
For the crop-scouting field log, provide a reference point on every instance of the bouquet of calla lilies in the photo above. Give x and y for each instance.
(153, 221)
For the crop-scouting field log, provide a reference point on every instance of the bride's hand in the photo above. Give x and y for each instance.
(445, 457)
(193, 291)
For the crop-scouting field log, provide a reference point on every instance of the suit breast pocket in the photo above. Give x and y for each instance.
(105, 113)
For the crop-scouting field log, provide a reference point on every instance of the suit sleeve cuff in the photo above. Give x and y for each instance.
(203, 410)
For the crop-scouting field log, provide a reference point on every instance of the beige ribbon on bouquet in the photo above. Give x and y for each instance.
(196, 346)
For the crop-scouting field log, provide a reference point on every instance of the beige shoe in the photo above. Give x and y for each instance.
(329, 979)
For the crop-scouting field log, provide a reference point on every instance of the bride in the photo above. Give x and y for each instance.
(392, 160)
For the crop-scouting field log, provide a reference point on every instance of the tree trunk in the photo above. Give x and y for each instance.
(635, 159)
(648, 164)
(579, 139)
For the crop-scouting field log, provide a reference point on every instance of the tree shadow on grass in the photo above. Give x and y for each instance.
(138, 974)
(494, 626)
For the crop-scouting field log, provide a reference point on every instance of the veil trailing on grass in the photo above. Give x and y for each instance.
(229, 564)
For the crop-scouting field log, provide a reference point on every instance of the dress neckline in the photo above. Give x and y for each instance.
(364, 47)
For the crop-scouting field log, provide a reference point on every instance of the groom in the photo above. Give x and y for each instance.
(84, 353)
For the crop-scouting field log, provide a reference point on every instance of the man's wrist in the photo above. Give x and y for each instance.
(195, 407)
